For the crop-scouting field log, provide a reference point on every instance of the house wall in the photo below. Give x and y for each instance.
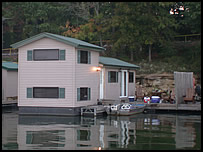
(46, 74)
(113, 90)
(86, 76)
(66, 74)
(12, 84)
(9, 83)
(132, 86)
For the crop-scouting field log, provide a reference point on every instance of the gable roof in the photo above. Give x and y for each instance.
(107, 61)
(9, 65)
(67, 40)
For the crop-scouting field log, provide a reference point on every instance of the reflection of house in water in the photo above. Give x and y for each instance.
(75, 133)
(45, 132)
(85, 133)
(9, 129)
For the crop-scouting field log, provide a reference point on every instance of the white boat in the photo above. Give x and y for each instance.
(125, 109)
(113, 109)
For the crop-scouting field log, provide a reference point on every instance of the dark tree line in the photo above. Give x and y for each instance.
(128, 29)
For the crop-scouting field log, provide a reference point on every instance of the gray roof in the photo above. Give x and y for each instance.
(108, 61)
(67, 40)
(9, 65)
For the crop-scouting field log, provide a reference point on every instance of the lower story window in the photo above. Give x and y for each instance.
(45, 92)
(39, 92)
(83, 94)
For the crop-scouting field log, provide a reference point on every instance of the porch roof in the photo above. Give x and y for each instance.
(9, 65)
(108, 61)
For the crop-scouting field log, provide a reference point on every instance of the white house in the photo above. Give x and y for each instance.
(58, 75)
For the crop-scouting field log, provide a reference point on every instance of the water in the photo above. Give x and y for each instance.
(138, 132)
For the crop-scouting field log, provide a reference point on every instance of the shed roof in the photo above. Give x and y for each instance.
(67, 40)
(108, 61)
(9, 65)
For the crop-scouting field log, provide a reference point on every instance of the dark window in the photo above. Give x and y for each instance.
(84, 57)
(112, 76)
(83, 94)
(131, 77)
(45, 54)
(48, 92)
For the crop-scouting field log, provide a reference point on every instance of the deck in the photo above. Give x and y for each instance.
(93, 110)
(167, 106)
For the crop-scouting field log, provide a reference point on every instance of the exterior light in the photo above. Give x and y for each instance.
(97, 69)
(99, 148)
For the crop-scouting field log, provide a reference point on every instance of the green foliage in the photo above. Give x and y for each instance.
(125, 28)
(189, 19)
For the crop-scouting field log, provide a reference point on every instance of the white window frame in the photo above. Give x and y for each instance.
(122, 83)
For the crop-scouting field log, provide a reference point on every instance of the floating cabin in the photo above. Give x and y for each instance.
(58, 75)
(9, 80)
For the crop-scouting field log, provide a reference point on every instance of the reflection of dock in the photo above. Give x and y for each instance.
(179, 107)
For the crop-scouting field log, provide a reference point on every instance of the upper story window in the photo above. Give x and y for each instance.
(45, 54)
(84, 57)
(131, 77)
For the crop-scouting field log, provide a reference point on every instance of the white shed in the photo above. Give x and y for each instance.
(9, 80)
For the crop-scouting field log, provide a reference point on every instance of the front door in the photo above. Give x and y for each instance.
(124, 83)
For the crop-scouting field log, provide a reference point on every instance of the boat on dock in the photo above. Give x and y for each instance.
(125, 109)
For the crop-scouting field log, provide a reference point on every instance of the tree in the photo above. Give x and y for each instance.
(94, 29)
(142, 23)
(31, 18)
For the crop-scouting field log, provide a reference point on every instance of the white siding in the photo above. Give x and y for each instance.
(47, 74)
(131, 86)
(9, 84)
(66, 74)
(87, 77)
(12, 84)
(113, 90)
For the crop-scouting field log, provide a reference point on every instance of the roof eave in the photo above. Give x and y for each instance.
(27, 41)
(89, 47)
(118, 66)
(10, 69)
(40, 36)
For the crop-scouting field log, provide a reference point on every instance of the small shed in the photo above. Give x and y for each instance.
(117, 78)
(9, 80)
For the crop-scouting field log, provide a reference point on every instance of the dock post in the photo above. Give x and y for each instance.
(81, 112)
(95, 112)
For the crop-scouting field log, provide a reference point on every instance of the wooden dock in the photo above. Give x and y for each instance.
(93, 110)
(167, 106)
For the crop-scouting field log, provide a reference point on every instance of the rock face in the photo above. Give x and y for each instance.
(152, 82)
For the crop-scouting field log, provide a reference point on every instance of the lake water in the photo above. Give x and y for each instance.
(138, 132)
